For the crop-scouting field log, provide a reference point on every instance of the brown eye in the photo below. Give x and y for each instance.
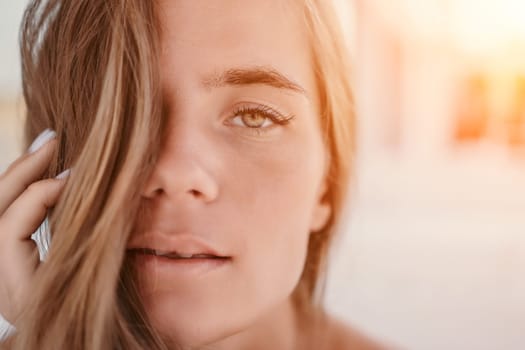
(260, 119)
(252, 119)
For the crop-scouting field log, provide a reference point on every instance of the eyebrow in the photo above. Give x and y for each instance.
(250, 76)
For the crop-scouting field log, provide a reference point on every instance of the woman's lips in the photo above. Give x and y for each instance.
(174, 265)
(176, 254)
(183, 244)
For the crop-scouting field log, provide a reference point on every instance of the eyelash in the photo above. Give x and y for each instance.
(275, 117)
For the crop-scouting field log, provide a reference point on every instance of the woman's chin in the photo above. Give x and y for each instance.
(193, 331)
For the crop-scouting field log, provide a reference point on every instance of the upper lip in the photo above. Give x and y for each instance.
(184, 244)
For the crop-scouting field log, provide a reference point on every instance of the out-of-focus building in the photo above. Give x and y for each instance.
(435, 248)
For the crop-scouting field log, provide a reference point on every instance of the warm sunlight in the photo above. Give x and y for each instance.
(484, 26)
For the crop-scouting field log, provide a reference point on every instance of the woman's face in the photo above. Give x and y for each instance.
(241, 170)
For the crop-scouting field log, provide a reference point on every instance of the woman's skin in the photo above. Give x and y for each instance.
(229, 181)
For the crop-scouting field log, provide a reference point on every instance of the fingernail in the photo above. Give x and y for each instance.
(63, 174)
(46, 136)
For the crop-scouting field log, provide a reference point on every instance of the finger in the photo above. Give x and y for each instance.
(28, 211)
(26, 170)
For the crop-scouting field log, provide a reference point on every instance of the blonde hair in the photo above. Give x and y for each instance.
(90, 72)
(331, 65)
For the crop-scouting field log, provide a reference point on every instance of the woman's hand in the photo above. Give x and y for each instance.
(24, 202)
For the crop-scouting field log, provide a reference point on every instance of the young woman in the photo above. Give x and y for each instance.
(210, 145)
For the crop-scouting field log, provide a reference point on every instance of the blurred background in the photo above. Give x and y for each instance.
(433, 251)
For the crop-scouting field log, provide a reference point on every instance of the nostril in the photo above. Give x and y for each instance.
(158, 192)
(195, 193)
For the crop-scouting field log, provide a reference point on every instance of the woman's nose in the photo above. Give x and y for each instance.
(183, 171)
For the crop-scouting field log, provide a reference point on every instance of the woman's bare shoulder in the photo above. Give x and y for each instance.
(323, 331)
(341, 336)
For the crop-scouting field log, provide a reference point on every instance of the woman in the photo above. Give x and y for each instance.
(211, 145)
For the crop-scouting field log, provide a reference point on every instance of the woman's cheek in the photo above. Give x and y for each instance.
(276, 177)
(279, 198)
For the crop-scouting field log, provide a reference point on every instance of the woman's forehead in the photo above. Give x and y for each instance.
(197, 16)
(210, 38)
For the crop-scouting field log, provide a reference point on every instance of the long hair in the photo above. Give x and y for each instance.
(90, 72)
(331, 66)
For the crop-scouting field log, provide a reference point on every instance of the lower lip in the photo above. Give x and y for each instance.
(160, 264)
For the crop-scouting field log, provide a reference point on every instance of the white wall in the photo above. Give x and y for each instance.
(10, 17)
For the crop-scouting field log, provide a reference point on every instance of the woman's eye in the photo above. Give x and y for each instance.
(258, 120)
(252, 119)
